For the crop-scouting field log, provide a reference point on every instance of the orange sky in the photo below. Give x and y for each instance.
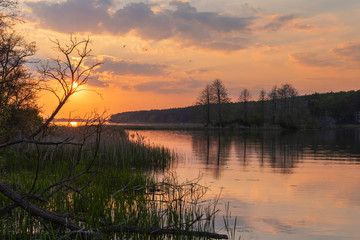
(160, 54)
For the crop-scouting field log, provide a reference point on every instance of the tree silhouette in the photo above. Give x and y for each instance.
(18, 110)
(244, 98)
(68, 71)
(205, 99)
(221, 97)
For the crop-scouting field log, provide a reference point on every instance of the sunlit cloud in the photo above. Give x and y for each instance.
(313, 59)
(345, 55)
(348, 52)
(179, 21)
(196, 71)
(279, 22)
(127, 67)
(96, 82)
(169, 87)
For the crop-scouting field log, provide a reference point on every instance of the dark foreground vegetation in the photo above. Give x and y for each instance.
(280, 107)
(88, 182)
(97, 188)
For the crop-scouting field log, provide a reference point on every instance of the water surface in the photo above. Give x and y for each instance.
(299, 185)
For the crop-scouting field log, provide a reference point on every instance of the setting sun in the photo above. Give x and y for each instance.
(73, 124)
(75, 84)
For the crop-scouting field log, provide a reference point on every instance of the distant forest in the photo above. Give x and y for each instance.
(324, 110)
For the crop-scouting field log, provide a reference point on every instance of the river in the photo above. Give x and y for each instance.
(280, 185)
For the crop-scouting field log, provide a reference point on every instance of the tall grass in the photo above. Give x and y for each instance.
(116, 186)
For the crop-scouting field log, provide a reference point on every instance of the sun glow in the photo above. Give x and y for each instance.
(73, 124)
(75, 84)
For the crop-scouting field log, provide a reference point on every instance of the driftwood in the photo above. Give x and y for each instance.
(60, 220)
(35, 210)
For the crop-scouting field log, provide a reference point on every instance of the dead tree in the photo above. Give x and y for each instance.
(68, 73)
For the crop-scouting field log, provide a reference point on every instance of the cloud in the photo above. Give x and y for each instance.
(168, 87)
(348, 52)
(122, 67)
(279, 22)
(314, 59)
(179, 21)
(96, 82)
(197, 71)
(118, 66)
(346, 55)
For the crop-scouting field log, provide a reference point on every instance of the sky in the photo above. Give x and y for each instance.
(160, 54)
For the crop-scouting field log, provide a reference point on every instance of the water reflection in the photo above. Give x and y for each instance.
(281, 151)
(281, 185)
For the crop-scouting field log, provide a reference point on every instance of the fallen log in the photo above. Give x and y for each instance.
(35, 210)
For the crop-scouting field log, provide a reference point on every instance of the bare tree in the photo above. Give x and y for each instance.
(262, 95)
(282, 104)
(205, 99)
(273, 97)
(244, 98)
(221, 97)
(8, 13)
(69, 72)
(286, 95)
(244, 95)
(262, 99)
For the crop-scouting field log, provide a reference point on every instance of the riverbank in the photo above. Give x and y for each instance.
(196, 126)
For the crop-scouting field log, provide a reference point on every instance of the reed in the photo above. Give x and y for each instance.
(101, 183)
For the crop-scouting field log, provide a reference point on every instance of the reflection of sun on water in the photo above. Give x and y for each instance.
(73, 124)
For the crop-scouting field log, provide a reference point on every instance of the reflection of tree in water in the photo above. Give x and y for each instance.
(282, 150)
(213, 149)
(279, 150)
(270, 148)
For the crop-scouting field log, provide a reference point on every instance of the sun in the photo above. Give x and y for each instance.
(75, 84)
(73, 124)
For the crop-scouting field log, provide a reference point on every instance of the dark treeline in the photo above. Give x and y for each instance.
(279, 107)
(173, 115)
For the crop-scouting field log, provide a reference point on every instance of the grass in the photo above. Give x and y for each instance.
(116, 185)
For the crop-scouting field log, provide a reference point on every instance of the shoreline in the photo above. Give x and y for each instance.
(201, 127)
